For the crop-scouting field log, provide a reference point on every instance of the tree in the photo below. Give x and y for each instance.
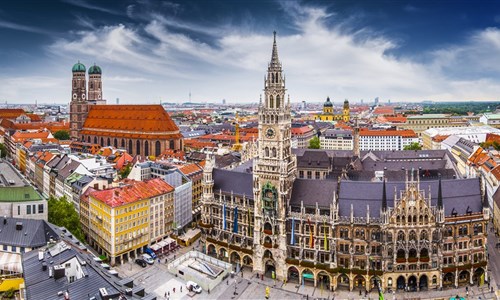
(63, 213)
(125, 171)
(62, 135)
(3, 150)
(413, 146)
(314, 143)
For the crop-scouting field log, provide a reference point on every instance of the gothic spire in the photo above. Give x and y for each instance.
(485, 197)
(440, 196)
(384, 197)
(275, 62)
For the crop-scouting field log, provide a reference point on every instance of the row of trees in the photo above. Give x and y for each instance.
(315, 144)
(63, 213)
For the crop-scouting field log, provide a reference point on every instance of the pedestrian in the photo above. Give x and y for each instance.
(227, 282)
(158, 260)
(209, 290)
(360, 293)
(165, 295)
(168, 294)
(174, 290)
(241, 273)
(181, 288)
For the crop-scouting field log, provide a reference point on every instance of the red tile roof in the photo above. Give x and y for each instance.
(11, 113)
(384, 110)
(301, 130)
(188, 169)
(134, 191)
(133, 121)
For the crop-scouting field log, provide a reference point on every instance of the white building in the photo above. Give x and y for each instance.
(433, 137)
(491, 120)
(336, 139)
(386, 139)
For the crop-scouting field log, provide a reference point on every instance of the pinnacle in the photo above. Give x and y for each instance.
(274, 57)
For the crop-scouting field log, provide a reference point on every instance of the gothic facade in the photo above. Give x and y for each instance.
(340, 233)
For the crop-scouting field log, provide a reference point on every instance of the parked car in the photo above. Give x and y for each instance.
(192, 286)
(148, 258)
(151, 253)
(141, 262)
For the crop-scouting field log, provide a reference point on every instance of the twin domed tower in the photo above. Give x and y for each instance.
(80, 99)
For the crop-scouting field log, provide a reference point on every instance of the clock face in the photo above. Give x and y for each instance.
(270, 133)
(74, 96)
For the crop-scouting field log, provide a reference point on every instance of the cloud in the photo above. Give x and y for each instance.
(20, 27)
(163, 56)
(87, 5)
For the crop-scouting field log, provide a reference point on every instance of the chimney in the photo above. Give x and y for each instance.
(40, 254)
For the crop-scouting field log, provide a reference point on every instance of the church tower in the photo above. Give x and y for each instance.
(95, 84)
(346, 111)
(78, 105)
(274, 173)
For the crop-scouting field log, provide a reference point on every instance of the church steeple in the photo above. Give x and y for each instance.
(384, 198)
(440, 196)
(275, 62)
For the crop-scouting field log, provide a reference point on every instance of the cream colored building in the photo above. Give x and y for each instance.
(420, 123)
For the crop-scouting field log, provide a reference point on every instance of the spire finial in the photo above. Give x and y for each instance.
(440, 195)
(274, 57)
(384, 197)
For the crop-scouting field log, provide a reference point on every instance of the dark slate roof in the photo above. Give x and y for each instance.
(330, 153)
(314, 159)
(458, 195)
(40, 286)
(237, 182)
(312, 191)
(67, 170)
(34, 233)
(82, 182)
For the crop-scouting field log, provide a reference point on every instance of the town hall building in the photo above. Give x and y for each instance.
(414, 232)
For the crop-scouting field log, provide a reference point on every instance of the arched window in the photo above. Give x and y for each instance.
(115, 143)
(171, 144)
(102, 142)
(271, 101)
(88, 139)
(424, 235)
(109, 142)
(95, 140)
(274, 152)
(157, 148)
(123, 143)
(401, 236)
(278, 101)
(413, 235)
(266, 152)
(130, 146)
(138, 147)
(146, 148)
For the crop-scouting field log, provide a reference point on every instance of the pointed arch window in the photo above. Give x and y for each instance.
(274, 152)
(271, 101)
(278, 101)
(130, 146)
(157, 148)
(266, 152)
(138, 147)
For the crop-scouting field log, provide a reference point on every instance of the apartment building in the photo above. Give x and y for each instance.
(386, 139)
(336, 139)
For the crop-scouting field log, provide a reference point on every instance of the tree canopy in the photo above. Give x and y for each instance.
(3, 150)
(413, 146)
(487, 145)
(63, 213)
(62, 135)
(314, 143)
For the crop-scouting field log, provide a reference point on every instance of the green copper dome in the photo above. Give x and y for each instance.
(95, 69)
(78, 67)
(328, 103)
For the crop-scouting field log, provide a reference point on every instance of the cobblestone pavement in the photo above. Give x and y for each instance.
(157, 279)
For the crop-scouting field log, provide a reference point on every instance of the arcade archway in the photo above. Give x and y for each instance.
(293, 275)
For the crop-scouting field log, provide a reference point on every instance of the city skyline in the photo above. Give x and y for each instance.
(209, 51)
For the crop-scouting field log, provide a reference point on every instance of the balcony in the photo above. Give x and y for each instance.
(268, 231)
(400, 260)
(424, 259)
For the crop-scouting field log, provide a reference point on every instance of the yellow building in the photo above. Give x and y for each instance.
(123, 220)
(329, 114)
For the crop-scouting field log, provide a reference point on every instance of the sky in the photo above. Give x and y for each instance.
(206, 51)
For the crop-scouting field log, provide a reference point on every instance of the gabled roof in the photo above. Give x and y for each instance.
(138, 120)
(32, 234)
(135, 191)
(229, 181)
(459, 195)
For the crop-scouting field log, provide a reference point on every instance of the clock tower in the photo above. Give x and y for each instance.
(273, 173)
(78, 105)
